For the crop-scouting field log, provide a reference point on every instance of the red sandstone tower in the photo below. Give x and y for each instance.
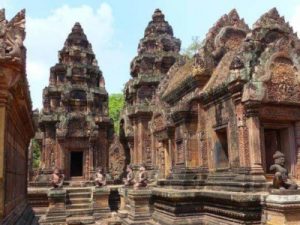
(74, 122)
(157, 52)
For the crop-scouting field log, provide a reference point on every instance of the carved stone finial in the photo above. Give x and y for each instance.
(158, 16)
(158, 25)
(234, 16)
(77, 27)
(272, 19)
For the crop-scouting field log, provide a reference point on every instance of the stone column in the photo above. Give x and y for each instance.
(254, 139)
(281, 208)
(100, 199)
(139, 201)
(240, 111)
(91, 161)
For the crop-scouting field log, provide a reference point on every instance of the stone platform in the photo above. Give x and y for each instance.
(71, 205)
(281, 207)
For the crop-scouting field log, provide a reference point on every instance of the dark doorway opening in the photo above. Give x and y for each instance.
(76, 164)
(221, 148)
(279, 139)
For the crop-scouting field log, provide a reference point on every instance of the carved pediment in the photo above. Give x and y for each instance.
(12, 51)
(277, 75)
(12, 35)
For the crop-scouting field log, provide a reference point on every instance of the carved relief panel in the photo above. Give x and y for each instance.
(284, 82)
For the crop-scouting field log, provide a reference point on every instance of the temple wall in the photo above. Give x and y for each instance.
(2, 155)
(222, 131)
(16, 145)
(16, 124)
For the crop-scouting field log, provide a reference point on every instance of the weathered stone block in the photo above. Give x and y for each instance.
(101, 204)
(57, 206)
(124, 204)
(139, 201)
(281, 208)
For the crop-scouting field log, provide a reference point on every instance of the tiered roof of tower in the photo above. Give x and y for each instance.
(157, 52)
(76, 84)
(222, 39)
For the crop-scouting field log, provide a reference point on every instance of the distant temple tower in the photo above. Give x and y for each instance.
(74, 123)
(157, 52)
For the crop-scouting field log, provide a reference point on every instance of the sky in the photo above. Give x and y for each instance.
(114, 28)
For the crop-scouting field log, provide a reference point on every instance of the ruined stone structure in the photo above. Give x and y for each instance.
(74, 122)
(157, 52)
(218, 118)
(212, 129)
(16, 123)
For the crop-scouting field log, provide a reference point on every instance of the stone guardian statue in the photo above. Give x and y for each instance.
(281, 179)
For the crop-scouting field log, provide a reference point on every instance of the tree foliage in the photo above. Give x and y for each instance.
(192, 48)
(116, 103)
(36, 153)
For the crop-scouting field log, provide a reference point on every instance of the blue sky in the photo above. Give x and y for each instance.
(114, 27)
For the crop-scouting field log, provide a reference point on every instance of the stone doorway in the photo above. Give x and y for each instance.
(221, 149)
(76, 167)
(281, 138)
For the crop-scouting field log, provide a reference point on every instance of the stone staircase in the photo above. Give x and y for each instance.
(79, 207)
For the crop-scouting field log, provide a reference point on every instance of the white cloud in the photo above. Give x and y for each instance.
(46, 36)
(4, 3)
(36, 69)
(294, 20)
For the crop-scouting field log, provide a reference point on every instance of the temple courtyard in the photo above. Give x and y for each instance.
(208, 138)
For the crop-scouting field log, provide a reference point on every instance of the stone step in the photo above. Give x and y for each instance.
(77, 190)
(79, 195)
(51, 223)
(79, 206)
(52, 219)
(80, 220)
(80, 200)
(79, 212)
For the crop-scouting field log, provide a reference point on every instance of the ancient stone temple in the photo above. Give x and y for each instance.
(221, 119)
(74, 122)
(16, 124)
(157, 52)
(215, 136)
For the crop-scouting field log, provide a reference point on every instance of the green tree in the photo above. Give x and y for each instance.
(192, 48)
(36, 153)
(116, 103)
